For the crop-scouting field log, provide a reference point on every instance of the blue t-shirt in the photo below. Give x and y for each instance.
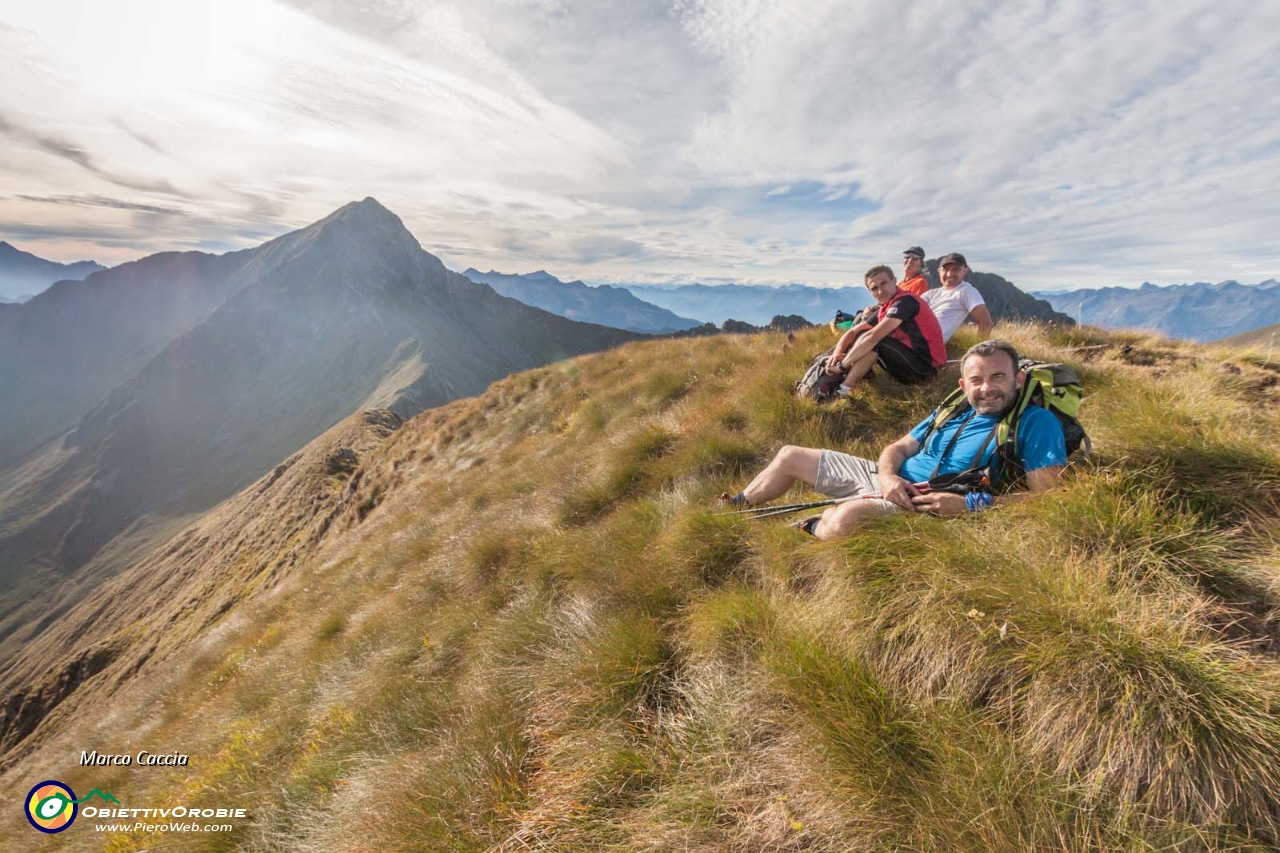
(1040, 443)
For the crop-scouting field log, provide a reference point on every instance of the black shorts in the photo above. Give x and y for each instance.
(903, 363)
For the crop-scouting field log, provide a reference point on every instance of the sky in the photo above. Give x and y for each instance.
(1060, 144)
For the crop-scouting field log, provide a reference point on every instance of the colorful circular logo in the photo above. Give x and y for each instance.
(51, 806)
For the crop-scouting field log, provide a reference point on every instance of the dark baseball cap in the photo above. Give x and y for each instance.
(915, 252)
(953, 258)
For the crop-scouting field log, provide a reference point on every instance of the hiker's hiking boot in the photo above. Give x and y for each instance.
(808, 525)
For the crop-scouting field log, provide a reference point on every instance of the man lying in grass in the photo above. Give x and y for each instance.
(965, 445)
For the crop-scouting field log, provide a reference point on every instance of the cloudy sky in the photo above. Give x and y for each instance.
(1059, 143)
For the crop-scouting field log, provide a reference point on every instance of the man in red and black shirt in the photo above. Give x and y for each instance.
(903, 337)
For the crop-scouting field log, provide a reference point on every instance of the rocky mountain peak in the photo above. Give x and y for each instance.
(368, 209)
(366, 220)
(356, 246)
(23, 274)
(8, 250)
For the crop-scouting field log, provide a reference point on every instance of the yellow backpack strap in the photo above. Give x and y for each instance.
(955, 403)
(1007, 429)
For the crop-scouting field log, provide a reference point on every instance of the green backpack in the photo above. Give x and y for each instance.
(1051, 386)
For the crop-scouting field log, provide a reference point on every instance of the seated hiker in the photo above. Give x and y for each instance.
(903, 336)
(913, 280)
(957, 299)
(965, 446)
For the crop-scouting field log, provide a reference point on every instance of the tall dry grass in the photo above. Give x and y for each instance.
(544, 637)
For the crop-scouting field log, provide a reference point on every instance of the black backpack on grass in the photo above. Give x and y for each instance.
(1051, 386)
(817, 384)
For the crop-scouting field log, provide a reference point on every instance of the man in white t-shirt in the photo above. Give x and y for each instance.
(957, 299)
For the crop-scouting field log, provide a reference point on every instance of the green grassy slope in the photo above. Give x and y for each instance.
(531, 630)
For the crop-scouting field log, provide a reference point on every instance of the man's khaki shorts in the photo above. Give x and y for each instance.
(841, 475)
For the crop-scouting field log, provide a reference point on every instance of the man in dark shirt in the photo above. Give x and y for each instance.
(903, 337)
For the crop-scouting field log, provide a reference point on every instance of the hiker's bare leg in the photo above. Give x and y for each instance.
(841, 519)
(860, 368)
(791, 464)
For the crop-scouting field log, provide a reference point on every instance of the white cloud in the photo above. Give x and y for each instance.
(243, 104)
(1052, 141)
(1055, 142)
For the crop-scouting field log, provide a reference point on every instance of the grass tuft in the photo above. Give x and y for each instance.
(650, 442)
(720, 455)
(663, 387)
(714, 548)
(867, 737)
(586, 504)
(730, 624)
(332, 626)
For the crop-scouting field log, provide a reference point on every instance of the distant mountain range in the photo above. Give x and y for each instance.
(1005, 300)
(755, 304)
(161, 387)
(759, 304)
(23, 275)
(608, 306)
(63, 351)
(1202, 311)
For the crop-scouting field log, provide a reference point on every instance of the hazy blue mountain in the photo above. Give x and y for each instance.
(755, 304)
(1201, 311)
(349, 313)
(758, 304)
(61, 352)
(65, 349)
(1004, 299)
(22, 274)
(608, 306)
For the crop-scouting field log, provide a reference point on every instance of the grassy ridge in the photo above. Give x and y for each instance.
(535, 634)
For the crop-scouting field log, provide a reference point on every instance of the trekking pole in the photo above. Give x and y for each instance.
(787, 510)
(784, 509)
(756, 510)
